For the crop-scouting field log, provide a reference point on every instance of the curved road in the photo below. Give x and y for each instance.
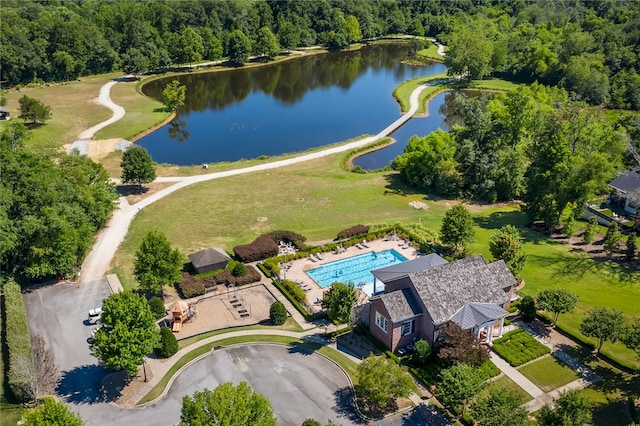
(97, 263)
(105, 99)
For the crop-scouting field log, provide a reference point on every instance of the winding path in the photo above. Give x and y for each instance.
(97, 263)
(105, 99)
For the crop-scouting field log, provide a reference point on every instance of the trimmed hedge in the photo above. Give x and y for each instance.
(261, 248)
(278, 313)
(168, 343)
(353, 231)
(227, 278)
(294, 290)
(292, 237)
(191, 286)
(519, 347)
(22, 374)
(297, 305)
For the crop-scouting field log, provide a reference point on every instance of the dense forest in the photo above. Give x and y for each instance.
(591, 48)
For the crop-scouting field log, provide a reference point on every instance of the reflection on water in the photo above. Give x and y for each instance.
(440, 117)
(284, 107)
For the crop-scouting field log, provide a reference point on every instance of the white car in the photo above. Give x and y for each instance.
(94, 315)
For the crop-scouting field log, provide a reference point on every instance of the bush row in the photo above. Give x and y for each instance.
(227, 277)
(21, 376)
(307, 316)
(266, 246)
(519, 347)
(294, 290)
(192, 286)
(353, 231)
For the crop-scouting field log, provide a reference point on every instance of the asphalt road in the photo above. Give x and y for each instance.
(299, 384)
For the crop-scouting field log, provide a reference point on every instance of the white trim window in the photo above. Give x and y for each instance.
(381, 322)
(407, 328)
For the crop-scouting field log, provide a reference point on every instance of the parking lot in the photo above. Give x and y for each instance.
(59, 313)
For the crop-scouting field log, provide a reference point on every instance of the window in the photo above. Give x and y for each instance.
(407, 328)
(381, 322)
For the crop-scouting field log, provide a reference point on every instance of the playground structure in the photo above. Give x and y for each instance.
(181, 313)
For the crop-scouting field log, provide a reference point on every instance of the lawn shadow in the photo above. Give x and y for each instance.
(345, 405)
(83, 385)
(395, 186)
(497, 220)
(305, 348)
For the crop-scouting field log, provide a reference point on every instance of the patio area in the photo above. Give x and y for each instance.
(295, 270)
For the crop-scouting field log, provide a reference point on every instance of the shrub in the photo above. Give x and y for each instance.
(168, 343)
(294, 290)
(21, 375)
(261, 248)
(227, 278)
(190, 286)
(239, 270)
(157, 307)
(519, 347)
(278, 313)
(354, 230)
(297, 239)
(528, 308)
(421, 352)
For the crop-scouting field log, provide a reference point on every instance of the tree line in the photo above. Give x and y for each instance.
(589, 48)
(533, 143)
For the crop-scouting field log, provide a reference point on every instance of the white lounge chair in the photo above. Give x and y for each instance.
(364, 244)
(319, 256)
(359, 246)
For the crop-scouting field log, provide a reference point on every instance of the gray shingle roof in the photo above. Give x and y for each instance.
(473, 314)
(208, 256)
(446, 288)
(626, 182)
(403, 269)
(400, 304)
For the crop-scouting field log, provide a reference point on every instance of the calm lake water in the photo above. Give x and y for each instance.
(285, 107)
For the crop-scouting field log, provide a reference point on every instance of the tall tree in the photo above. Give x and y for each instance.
(380, 381)
(557, 301)
(631, 337)
(499, 408)
(469, 54)
(226, 405)
(458, 385)
(33, 110)
(266, 44)
(134, 62)
(572, 408)
(605, 324)
(457, 228)
(590, 231)
(156, 263)
(238, 48)
(128, 332)
(51, 412)
(339, 302)
(137, 166)
(174, 95)
(612, 238)
(632, 246)
(506, 244)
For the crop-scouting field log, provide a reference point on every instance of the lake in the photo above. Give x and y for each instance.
(284, 107)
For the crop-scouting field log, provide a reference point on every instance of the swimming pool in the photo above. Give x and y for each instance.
(356, 269)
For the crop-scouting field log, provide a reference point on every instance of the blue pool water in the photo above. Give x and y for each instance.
(356, 269)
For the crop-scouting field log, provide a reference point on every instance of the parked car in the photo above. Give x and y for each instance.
(94, 315)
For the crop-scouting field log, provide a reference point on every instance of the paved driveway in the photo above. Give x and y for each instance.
(59, 313)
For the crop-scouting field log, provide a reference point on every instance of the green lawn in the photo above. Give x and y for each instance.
(431, 52)
(548, 373)
(504, 382)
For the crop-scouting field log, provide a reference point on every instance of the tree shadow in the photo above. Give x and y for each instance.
(395, 186)
(126, 190)
(497, 220)
(305, 348)
(83, 385)
(345, 405)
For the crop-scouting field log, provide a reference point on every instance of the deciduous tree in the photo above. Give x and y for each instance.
(612, 238)
(527, 308)
(457, 228)
(137, 166)
(133, 61)
(33, 110)
(631, 337)
(557, 301)
(156, 263)
(266, 44)
(458, 385)
(506, 244)
(499, 408)
(339, 302)
(590, 231)
(461, 346)
(47, 372)
(572, 408)
(605, 324)
(174, 94)
(50, 413)
(421, 352)
(226, 405)
(128, 332)
(380, 381)
(238, 48)
(469, 54)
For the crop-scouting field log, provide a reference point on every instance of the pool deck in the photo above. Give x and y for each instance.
(296, 271)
